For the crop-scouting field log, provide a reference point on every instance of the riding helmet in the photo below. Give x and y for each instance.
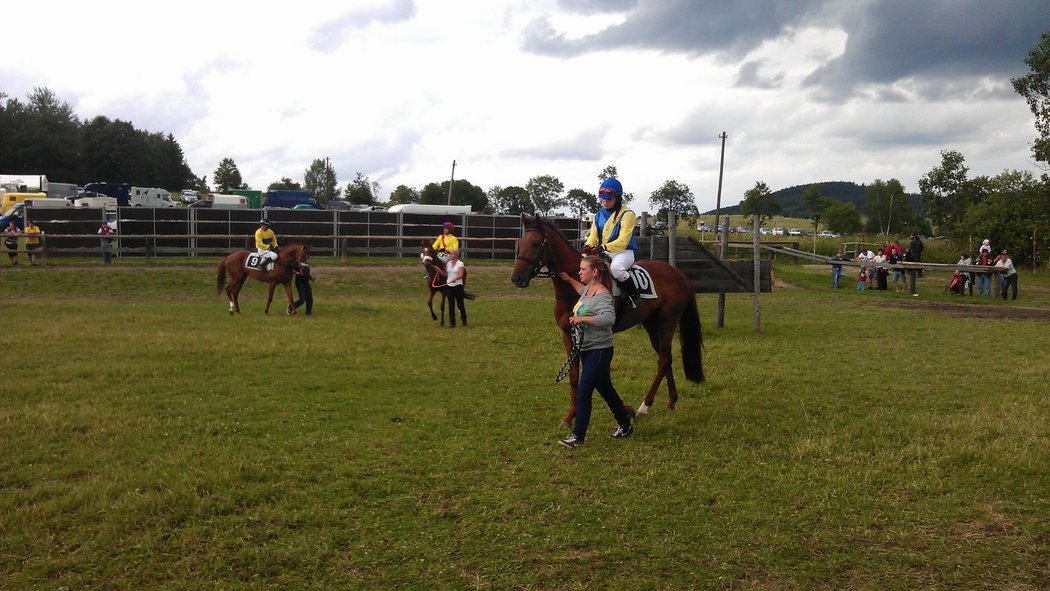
(611, 183)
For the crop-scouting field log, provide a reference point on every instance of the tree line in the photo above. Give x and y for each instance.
(1013, 209)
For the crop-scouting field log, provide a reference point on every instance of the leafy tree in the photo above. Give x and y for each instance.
(674, 196)
(545, 193)
(227, 177)
(54, 133)
(1015, 211)
(463, 193)
(320, 180)
(816, 203)
(843, 218)
(403, 194)
(759, 203)
(512, 200)
(942, 192)
(1035, 88)
(45, 135)
(362, 190)
(113, 151)
(886, 207)
(286, 184)
(581, 202)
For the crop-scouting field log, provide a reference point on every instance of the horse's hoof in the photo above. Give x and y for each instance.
(630, 410)
(642, 411)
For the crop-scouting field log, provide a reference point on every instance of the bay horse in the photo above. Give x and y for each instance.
(435, 279)
(288, 257)
(543, 246)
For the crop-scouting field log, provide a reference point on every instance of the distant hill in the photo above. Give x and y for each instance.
(790, 199)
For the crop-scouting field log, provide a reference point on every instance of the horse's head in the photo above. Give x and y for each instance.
(294, 254)
(542, 245)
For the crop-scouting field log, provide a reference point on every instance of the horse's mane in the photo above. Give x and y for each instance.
(538, 222)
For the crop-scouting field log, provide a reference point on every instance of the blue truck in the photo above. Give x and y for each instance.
(288, 199)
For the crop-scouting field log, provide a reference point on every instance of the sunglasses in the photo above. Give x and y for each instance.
(607, 193)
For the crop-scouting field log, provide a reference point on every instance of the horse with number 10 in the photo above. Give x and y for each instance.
(544, 246)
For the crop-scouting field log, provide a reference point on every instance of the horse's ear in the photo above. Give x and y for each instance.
(524, 220)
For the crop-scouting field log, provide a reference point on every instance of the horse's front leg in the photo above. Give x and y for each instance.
(269, 298)
(444, 296)
(574, 380)
(430, 304)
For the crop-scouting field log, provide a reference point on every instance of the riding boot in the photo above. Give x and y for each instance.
(630, 290)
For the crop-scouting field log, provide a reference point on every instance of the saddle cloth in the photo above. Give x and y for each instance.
(257, 262)
(646, 287)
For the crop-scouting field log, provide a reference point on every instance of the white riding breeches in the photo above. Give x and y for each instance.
(268, 254)
(620, 262)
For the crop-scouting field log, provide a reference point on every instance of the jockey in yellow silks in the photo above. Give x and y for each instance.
(266, 241)
(444, 243)
(612, 232)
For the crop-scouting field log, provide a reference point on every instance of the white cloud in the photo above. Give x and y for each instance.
(397, 90)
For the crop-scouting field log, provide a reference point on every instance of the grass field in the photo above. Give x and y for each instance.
(859, 441)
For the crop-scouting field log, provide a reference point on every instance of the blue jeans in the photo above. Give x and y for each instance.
(595, 375)
(107, 244)
(984, 284)
(836, 274)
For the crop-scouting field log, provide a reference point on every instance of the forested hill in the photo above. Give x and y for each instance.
(790, 199)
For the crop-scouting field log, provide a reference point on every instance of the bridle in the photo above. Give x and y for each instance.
(537, 269)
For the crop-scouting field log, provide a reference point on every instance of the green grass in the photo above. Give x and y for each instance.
(860, 440)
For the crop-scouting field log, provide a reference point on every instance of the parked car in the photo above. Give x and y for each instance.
(827, 234)
(794, 232)
(778, 231)
(189, 196)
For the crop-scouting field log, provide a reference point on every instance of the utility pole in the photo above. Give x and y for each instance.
(718, 198)
(723, 246)
(450, 182)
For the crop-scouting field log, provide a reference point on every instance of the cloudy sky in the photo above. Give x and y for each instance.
(806, 90)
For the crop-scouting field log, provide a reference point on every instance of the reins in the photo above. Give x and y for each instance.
(576, 334)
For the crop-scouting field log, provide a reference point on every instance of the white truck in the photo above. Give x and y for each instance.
(429, 208)
(149, 197)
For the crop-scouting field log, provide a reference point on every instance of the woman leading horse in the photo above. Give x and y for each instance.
(289, 257)
(543, 251)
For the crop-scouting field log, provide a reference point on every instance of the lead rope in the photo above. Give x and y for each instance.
(576, 334)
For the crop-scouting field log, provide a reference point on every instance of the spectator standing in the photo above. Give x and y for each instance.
(898, 272)
(106, 241)
(836, 270)
(11, 242)
(862, 278)
(915, 248)
(1008, 275)
(32, 233)
(881, 270)
(984, 280)
(965, 261)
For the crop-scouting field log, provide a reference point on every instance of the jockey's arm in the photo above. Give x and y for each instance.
(592, 236)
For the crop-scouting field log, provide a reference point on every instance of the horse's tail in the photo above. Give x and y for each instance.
(692, 341)
(220, 280)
